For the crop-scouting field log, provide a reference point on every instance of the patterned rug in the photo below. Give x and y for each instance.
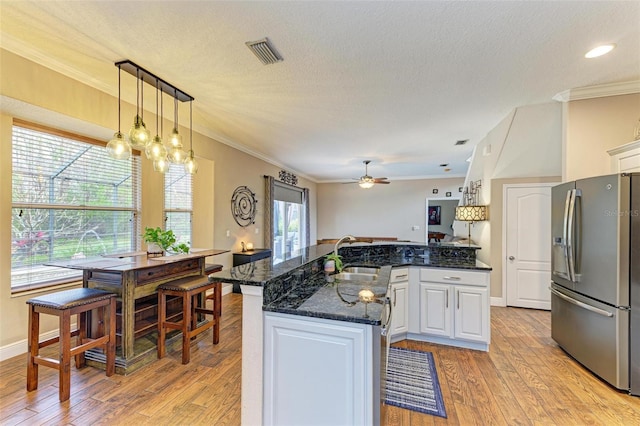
(412, 382)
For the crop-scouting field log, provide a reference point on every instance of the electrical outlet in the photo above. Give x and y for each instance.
(415, 228)
(257, 230)
(228, 233)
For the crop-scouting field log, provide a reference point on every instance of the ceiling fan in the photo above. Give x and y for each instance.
(367, 181)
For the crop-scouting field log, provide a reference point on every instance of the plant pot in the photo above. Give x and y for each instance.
(329, 266)
(154, 250)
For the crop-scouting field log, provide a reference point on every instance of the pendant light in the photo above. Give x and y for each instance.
(175, 154)
(118, 147)
(156, 150)
(190, 164)
(139, 135)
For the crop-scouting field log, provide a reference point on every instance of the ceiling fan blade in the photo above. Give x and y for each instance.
(381, 181)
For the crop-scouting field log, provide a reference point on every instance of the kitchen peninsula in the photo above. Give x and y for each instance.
(134, 277)
(311, 344)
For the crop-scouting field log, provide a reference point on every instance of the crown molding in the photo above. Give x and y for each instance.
(599, 91)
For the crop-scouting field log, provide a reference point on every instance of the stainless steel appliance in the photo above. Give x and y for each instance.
(595, 293)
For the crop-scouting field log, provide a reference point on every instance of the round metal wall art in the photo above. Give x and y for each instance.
(243, 206)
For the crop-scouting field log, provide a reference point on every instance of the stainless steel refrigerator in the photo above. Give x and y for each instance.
(595, 293)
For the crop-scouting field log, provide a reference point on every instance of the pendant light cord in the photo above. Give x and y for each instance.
(137, 91)
(119, 69)
(191, 126)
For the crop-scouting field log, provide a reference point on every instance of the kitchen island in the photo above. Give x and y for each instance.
(294, 317)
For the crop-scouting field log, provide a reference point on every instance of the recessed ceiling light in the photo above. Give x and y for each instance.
(599, 51)
(462, 141)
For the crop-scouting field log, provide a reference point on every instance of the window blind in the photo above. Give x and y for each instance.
(178, 202)
(69, 199)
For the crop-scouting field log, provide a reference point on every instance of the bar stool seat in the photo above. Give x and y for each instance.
(193, 293)
(63, 304)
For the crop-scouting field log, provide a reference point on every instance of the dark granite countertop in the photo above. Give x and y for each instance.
(298, 285)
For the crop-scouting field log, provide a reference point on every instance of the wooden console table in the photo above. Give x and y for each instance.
(134, 277)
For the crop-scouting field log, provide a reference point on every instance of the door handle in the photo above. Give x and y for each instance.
(512, 258)
(581, 304)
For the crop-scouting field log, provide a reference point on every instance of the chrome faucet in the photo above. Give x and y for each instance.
(346, 237)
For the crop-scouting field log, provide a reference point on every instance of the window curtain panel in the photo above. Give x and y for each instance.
(269, 186)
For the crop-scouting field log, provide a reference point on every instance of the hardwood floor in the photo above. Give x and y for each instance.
(524, 379)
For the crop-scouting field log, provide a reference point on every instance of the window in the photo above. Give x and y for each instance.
(69, 200)
(178, 205)
(289, 219)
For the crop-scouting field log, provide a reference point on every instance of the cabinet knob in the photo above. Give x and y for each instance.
(512, 258)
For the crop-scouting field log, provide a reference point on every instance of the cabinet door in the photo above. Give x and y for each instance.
(471, 314)
(435, 309)
(399, 303)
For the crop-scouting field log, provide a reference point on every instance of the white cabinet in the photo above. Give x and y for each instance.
(399, 281)
(320, 371)
(454, 307)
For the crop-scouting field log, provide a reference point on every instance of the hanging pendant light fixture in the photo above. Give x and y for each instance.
(139, 135)
(190, 164)
(118, 147)
(156, 150)
(176, 154)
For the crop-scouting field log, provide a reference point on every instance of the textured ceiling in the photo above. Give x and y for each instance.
(394, 82)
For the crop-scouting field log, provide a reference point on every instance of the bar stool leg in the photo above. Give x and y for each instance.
(217, 312)
(34, 335)
(65, 355)
(186, 327)
(111, 345)
(82, 337)
(162, 317)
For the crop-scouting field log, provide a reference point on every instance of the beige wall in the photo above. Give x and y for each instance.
(35, 93)
(382, 211)
(593, 126)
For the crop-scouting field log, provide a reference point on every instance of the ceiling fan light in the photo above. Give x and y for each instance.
(118, 147)
(366, 183)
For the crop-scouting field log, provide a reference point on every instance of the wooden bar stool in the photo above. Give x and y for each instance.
(63, 304)
(193, 293)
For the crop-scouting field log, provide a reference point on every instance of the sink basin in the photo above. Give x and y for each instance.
(360, 270)
(353, 276)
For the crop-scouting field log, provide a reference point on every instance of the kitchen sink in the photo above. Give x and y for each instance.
(360, 270)
(356, 276)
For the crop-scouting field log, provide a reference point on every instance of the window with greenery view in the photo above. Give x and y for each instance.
(70, 200)
(178, 205)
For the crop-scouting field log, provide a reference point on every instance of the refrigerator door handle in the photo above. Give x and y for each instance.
(575, 193)
(581, 304)
(565, 233)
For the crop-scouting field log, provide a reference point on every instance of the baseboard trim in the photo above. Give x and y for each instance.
(498, 301)
(21, 347)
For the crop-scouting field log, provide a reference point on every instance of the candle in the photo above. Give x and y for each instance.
(249, 246)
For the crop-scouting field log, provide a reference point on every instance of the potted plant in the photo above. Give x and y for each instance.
(332, 262)
(159, 241)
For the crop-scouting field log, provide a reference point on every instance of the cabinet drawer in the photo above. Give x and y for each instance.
(398, 275)
(144, 276)
(454, 276)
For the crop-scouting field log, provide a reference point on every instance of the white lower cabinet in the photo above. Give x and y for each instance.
(321, 372)
(454, 307)
(399, 295)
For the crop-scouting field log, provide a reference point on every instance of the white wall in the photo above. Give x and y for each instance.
(382, 211)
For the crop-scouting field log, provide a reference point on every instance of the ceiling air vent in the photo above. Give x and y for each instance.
(462, 142)
(264, 51)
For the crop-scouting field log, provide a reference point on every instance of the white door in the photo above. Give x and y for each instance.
(527, 248)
